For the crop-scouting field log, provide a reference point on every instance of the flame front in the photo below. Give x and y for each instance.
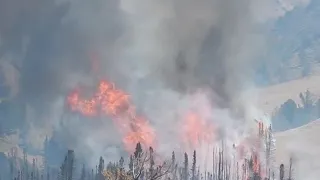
(115, 103)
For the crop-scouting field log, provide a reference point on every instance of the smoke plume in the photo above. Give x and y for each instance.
(170, 55)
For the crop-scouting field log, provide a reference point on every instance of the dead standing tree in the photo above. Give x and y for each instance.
(141, 159)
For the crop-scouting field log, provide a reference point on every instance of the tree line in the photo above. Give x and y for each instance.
(143, 165)
(291, 114)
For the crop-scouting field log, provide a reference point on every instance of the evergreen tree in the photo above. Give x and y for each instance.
(33, 175)
(138, 151)
(131, 165)
(25, 170)
(281, 173)
(121, 163)
(100, 169)
(70, 162)
(83, 173)
(151, 168)
(173, 157)
(174, 166)
(194, 163)
(186, 167)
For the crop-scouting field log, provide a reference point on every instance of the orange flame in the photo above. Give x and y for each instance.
(256, 164)
(113, 102)
(196, 130)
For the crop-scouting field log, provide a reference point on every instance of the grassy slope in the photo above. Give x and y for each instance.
(303, 144)
(5, 145)
(276, 95)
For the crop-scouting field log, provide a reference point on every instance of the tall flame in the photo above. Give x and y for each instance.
(115, 103)
(196, 130)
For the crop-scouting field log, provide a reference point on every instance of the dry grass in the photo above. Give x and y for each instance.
(303, 144)
(273, 96)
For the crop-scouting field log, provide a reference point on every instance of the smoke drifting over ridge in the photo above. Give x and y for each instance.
(160, 51)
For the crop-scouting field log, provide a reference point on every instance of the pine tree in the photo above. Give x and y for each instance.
(281, 173)
(174, 166)
(173, 157)
(70, 162)
(33, 174)
(130, 165)
(193, 169)
(66, 169)
(25, 170)
(121, 163)
(83, 173)
(220, 166)
(186, 167)
(213, 162)
(138, 151)
(92, 174)
(100, 169)
(151, 168)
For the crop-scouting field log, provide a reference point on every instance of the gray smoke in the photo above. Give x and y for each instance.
(184, 45)
(168, 50)
(160, 51)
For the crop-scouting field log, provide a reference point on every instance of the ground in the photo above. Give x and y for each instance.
(301, 143)
(274, 96)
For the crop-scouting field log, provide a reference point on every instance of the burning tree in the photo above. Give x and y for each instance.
(142, 165)
(115, 103)
(255, 161)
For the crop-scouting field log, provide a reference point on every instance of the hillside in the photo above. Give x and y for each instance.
(275, 95)
(303, 144)
(10, 142)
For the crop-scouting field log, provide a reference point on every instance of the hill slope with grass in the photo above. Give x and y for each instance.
(303, 145)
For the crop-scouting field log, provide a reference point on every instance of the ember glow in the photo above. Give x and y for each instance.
(115, 103)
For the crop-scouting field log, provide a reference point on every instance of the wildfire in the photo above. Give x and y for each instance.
(115, 103)
(197, 130)
(256, 164)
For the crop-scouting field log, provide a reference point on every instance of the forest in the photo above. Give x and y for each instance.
(293, 114)
(146, 164)
(142, 165)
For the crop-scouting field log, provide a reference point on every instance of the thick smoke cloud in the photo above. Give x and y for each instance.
(187, 44)
(161, 51)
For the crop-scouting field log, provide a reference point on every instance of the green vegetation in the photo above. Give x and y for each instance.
(291, 114)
